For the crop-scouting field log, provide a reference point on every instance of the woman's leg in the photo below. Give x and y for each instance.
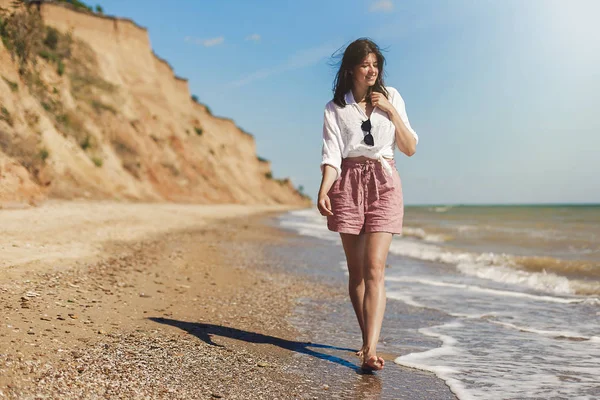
(376, 250)
(354, 247)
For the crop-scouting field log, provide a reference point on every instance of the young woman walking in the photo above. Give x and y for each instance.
(360, 191)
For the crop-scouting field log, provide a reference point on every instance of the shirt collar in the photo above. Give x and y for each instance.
(350, 98)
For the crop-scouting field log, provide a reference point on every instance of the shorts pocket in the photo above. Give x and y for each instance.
(338, 186)
(387, 183)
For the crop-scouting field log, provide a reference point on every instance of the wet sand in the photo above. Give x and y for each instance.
(170, 302)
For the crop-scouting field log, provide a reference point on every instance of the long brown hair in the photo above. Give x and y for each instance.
(354, 54)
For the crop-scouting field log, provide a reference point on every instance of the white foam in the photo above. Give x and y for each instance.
(542, 281)
(494, 267)
(490, 266)
(474, 288)
(420, 233)
(308, 223)
(441, 209)
(415, 360)
(428, 252)
(573, 335)
(404, 298)
(477, 362)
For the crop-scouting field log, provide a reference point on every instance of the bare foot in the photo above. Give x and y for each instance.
(360, 353)
(373, 363)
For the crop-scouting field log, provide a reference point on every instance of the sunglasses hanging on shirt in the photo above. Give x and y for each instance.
(366, 127)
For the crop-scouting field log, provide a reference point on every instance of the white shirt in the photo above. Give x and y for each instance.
(343, 136)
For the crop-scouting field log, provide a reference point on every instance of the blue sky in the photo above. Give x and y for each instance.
(504, 94)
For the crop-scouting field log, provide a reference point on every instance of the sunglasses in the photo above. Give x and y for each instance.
(366, 127)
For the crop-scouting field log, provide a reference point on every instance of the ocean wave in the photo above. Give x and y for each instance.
(540, 273)
(568, 267)
(499, 267)
(477, 363)
(543, 281)
(448, 348)
(405, 298)
(440, 209)
(567, 335)
(420, 233)
(498, 292)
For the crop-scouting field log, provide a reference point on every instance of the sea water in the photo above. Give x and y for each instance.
(522, 287)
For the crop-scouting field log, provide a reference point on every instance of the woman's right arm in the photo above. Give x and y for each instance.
(323, 203)
(331, 158)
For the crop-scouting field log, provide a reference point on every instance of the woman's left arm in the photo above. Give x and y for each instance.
(406, 137)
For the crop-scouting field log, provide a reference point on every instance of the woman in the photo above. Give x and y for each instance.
(360, 191)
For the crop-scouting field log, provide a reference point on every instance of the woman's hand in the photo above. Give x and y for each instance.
(379, 100)
(324, 205)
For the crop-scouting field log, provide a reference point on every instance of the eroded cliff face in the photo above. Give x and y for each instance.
(103, 117)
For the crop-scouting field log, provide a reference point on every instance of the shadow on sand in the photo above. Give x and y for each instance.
(205, 332)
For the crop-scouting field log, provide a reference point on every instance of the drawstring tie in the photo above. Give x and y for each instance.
(384, 163)
(368, 171)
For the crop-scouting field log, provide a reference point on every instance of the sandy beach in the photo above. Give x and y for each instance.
(114, 300)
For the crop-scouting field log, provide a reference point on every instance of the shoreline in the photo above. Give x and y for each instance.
(204, 311)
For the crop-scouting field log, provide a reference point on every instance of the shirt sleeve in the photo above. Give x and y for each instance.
(332, 141)
(398, 103)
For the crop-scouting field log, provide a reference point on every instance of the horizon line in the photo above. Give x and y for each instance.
(594, 204)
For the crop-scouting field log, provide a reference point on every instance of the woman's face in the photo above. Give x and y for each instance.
(365, 73)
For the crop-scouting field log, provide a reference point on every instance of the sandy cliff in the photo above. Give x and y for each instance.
(102, 116)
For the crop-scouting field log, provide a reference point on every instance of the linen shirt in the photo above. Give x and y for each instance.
(343, 136)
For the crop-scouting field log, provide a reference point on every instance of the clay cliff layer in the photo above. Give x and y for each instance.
(94, 113)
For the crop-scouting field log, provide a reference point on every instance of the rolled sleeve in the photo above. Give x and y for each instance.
(398, 103)
(332, 141)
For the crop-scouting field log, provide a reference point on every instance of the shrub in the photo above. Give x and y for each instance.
(195, 98)
(99, 9)
(43, 154)
(85, 79)
(123, 149)
(199, 131)
(22, 32)
(128, 156)
(25, 150)
(56, 48)
(71, 124)
(268, 175)
(52, 36)
(48, 55)
(31, 118)
(171, 168)
(86, 143)
(78, 5)
(14, 87)
(5, 116)
(262, 159)
(99, 106)
(60, 68)
(97, 161)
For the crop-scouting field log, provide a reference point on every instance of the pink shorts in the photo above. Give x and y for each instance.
(365, 199)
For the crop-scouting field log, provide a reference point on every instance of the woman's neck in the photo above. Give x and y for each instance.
(360, 93)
